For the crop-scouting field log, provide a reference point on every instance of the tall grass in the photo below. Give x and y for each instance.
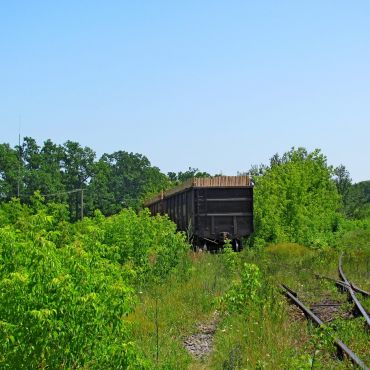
(169, 311)
(264, 332)
(274, 334)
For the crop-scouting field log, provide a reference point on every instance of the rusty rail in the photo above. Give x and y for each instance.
(359, 290)
(352, 294)
(309, 314)
(344, 285)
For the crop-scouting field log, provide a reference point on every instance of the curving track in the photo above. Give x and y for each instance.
(350, 288)
(310, 315)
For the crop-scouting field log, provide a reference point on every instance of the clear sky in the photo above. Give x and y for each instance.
(217, 85)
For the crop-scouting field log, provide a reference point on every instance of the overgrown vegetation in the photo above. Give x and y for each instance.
(66, 289)
(357, 202)
(169, 311)
(125, 291)
(257, 326)
(110, 183)
(261, 330)
(296, 200)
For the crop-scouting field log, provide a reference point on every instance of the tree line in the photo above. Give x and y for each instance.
(72, 174)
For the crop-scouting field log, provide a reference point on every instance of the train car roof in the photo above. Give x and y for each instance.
(204, 182)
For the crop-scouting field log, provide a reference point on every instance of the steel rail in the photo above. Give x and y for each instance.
(352, 293)
(340, 345)
(344, 285)
(359, 290)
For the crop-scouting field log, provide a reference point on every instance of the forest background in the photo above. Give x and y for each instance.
(122, 179)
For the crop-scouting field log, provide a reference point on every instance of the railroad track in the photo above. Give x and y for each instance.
(352, 289)
(342, 284)
(310, 315)
(351, 292)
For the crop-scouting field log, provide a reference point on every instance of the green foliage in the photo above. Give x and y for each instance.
(268, 332)
(231, 259)
(296, 200)
(41, 169)
(300, 362)
(343, 182)
(115, 181)
(175, 306)
(285, 251)
(245, 292)
(66, 289)
(9, 171)
(322, 338)
(350, 331)
(357, 204)
(183, 176)
(252, 333)
(354, 235)
(149, 245)
(131, 178)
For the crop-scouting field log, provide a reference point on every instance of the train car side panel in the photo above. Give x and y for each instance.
(209, 209)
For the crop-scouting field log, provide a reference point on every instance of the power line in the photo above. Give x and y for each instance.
(67, 192)
(82, 190)
(61, 192)
(53, 194)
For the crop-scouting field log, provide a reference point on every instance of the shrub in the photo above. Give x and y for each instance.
(296, 200)
(244, 292)
(66, 289)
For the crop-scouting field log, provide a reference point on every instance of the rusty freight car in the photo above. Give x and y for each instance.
(209, 209)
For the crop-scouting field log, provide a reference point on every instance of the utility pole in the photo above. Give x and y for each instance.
(82, 204)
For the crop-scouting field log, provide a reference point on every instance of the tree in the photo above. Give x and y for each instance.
(343, 182)
(100, 191)
(132, 178)
(51, 172)
(172, 176)
(257, 170)
(115, 181)
(155, 181)
(358, 200)
(10, 167)
(77, 167)
(31, 165)
(42, 169)
(296, 200)
(184, 176)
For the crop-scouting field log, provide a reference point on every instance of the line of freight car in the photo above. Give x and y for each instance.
(209, 210)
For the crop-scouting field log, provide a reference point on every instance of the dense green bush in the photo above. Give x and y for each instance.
(296, 200)
(65, 290)
(357, 201)
(245, 292)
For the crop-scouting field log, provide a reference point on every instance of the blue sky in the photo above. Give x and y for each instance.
(217, 85)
